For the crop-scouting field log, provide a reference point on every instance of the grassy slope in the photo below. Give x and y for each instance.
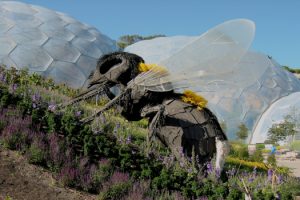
(169, 175)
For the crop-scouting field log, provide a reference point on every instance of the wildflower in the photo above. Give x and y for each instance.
(119, 177)
(251, 179)
(218, 173)
(171, 158)
(181, 163)
(103, 161)
(36, 97)
(3, 78)
(209, 167)
(128, 140)
(278, 196)
(115, 131)
(181, 152)
(254, 171)
(52, 107)
(279, 179)
(34, 105)
(14, 87)
(258, 186)
(78, 113)
(160, 158)
(118, 125)
(270, 174)
(244, 174)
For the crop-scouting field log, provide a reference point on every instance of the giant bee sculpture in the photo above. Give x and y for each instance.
(179, 120)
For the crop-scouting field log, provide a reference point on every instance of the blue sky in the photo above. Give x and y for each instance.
(277, 21)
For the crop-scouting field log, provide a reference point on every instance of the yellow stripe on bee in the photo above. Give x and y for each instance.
(192, 98)
(143, 67)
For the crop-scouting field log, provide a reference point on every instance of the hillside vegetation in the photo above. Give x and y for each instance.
(292, 70)
(111, 157)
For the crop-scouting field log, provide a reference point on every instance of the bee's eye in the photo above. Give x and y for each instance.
(115, 90)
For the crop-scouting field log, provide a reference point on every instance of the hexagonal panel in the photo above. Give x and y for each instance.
(44, 14)
(80, 31)
(87, 48)
(66, 18)
(31, 36)
(66, 72)
(105, 45)
(33, 57)
(61, 50)
(6, 45)
(21, 18)
(86, 64)
(55, 31)
(18, 7)
(5, 25)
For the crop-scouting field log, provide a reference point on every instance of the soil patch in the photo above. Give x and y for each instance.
(23, 181)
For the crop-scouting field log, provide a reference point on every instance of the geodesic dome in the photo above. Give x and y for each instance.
(242, 95)
(49, 43)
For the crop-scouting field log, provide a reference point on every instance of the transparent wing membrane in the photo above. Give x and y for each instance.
(208, 57)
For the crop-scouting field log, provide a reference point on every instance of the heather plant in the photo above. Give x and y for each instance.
(117, 186)
(3, 120)
(16, 133)
(139, 191)
(86, 173)
(102, 172)
(68, 175)
(112, 158)
(56, 152)
(37, 152)
(4, 98)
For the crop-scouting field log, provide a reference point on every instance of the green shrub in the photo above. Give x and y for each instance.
(116, 191)
(239, 150)
(103, 172)
(5, 98)
(295, 145)
(260, 146)
(36, 154)
(235, 194)
(2, 125)
(271, 160)
(257, 156)
(14, 140)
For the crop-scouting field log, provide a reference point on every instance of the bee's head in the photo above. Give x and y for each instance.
(115, 68)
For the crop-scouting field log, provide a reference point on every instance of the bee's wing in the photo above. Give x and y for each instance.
(207, 59)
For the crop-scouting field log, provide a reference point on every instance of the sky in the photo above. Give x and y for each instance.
(277, 21)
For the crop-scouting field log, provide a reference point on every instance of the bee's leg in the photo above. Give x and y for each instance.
(222, 148)
(155, 123)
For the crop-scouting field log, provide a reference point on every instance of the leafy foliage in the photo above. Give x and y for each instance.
(242, 133)
(292, 70)
(280, 131)
(112, 159)
(127, 40)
